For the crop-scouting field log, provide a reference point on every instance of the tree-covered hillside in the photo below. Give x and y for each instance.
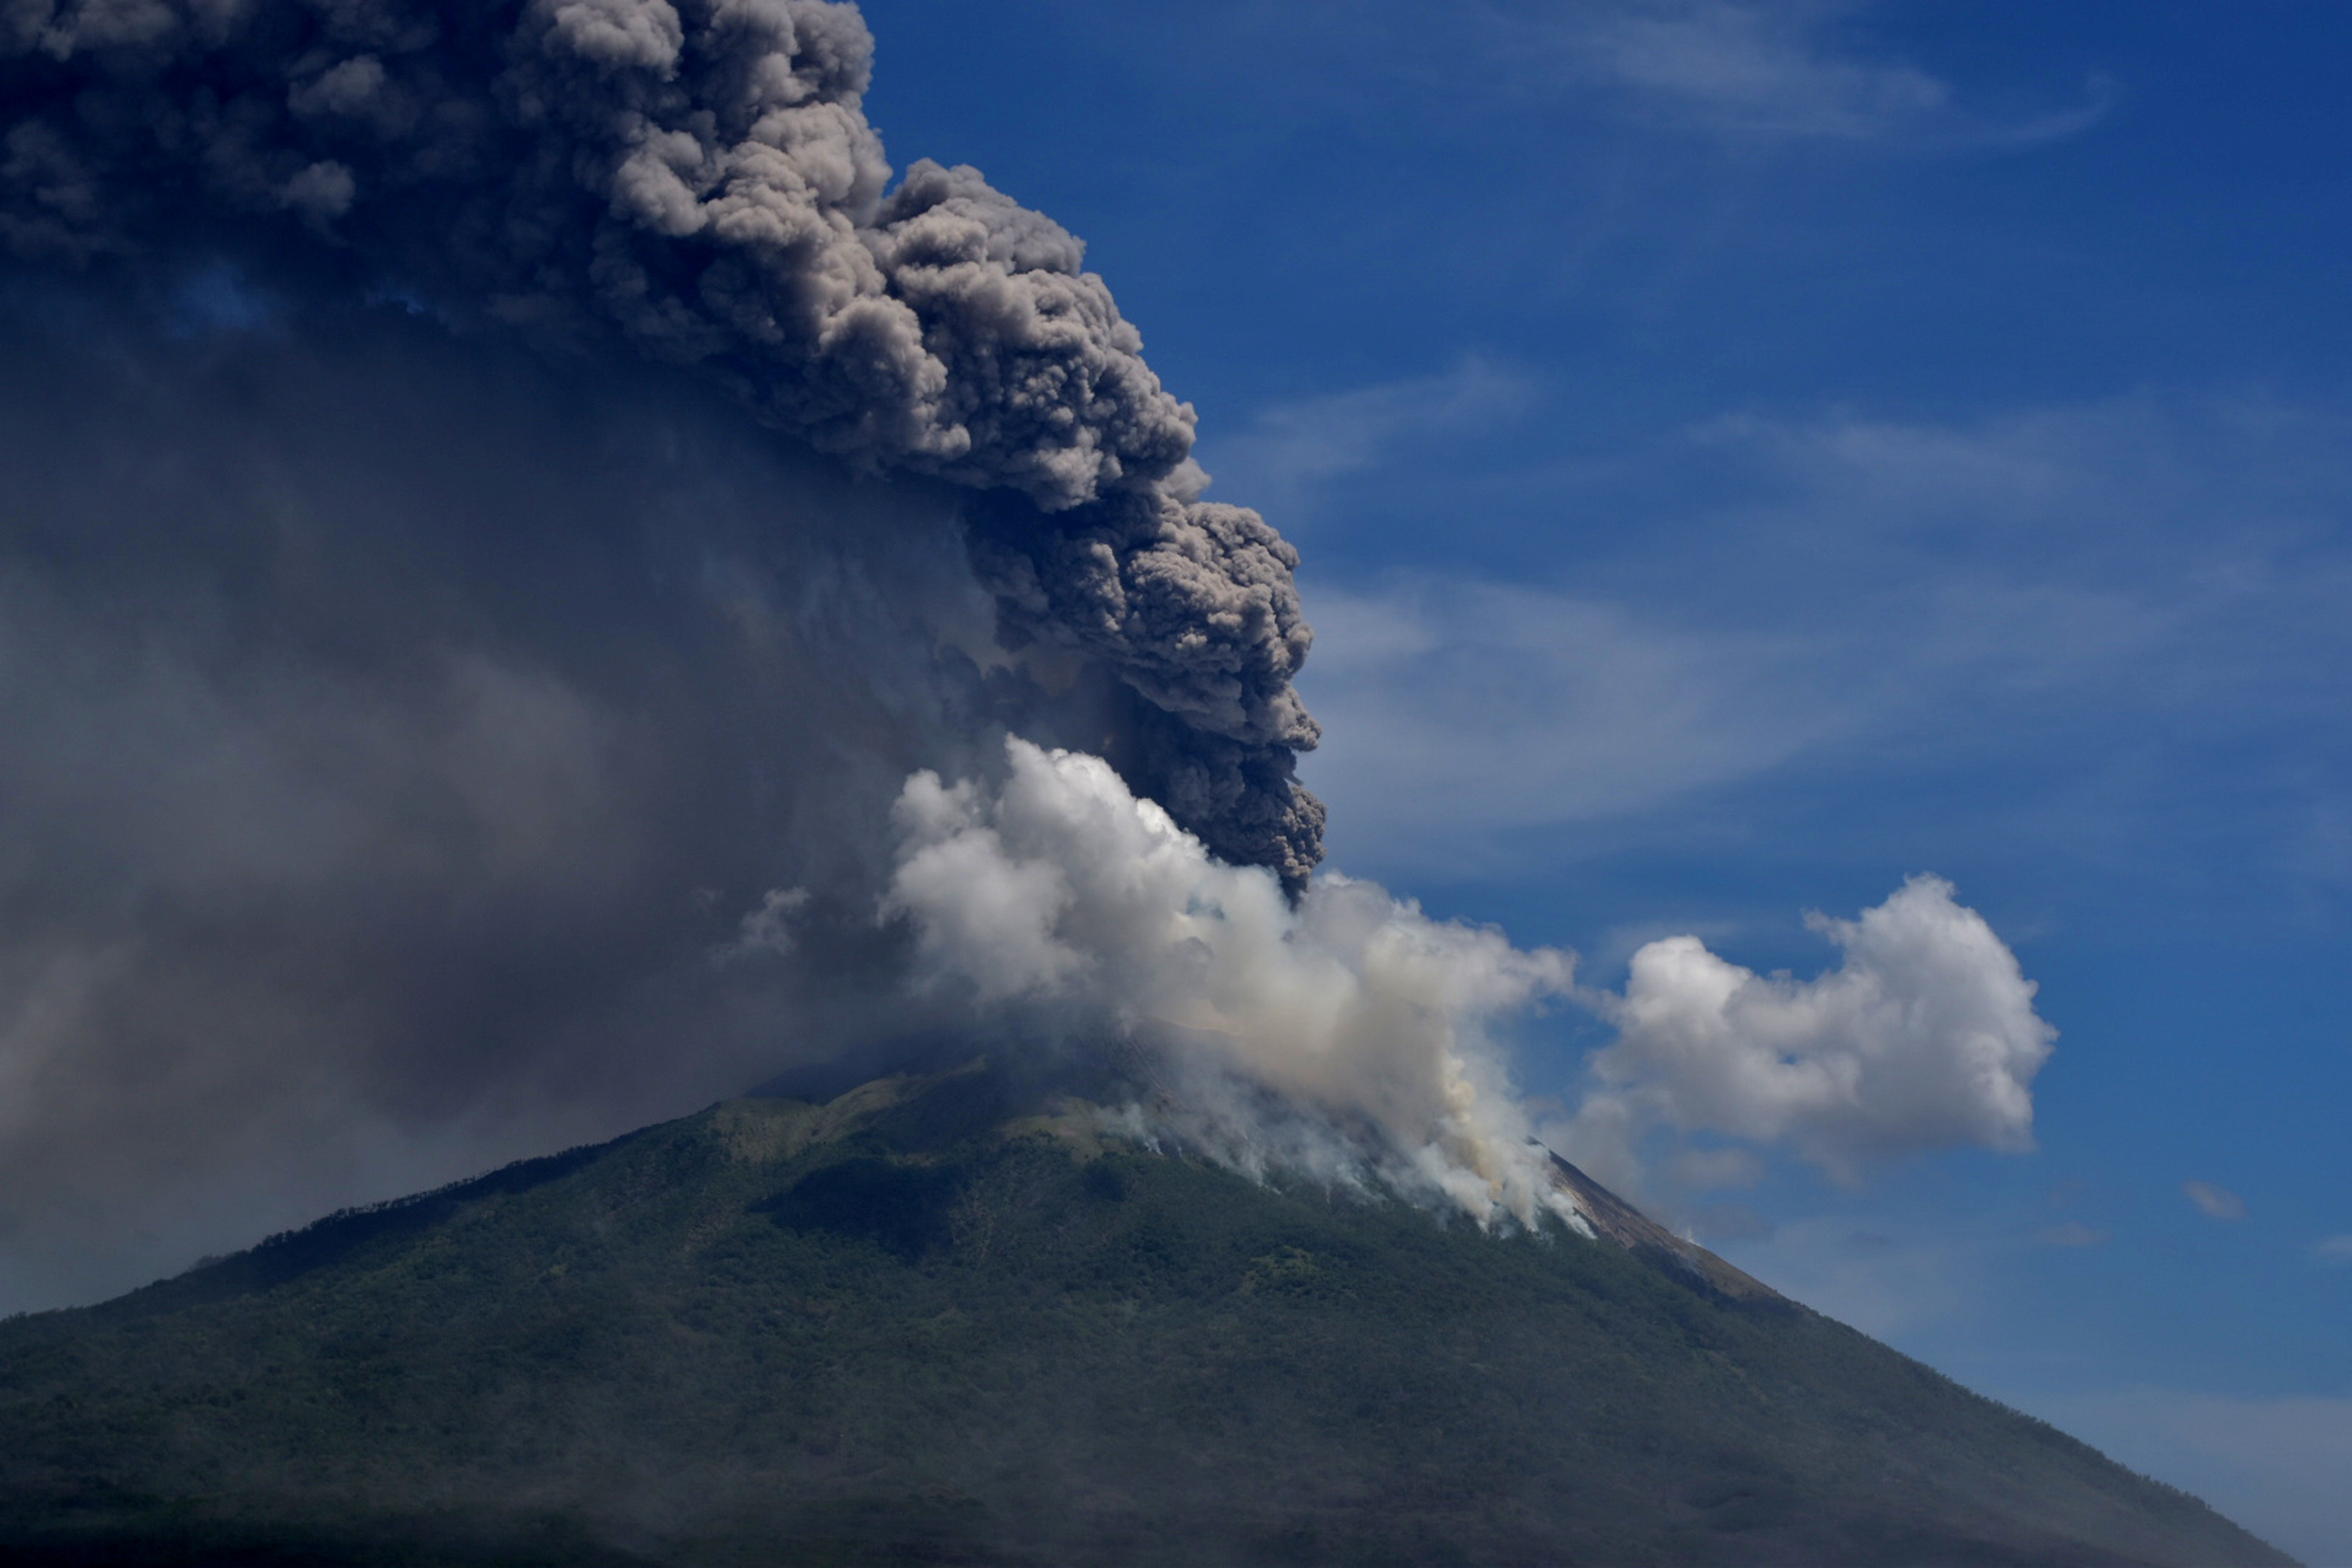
(913, 1326)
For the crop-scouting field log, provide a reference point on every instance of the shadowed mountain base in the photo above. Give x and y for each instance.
(914, 1326)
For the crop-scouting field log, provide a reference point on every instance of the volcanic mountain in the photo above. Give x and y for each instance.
(944, 1318)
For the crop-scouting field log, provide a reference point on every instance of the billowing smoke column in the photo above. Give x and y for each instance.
(698, 182)
(1061, 891)
(500, 499)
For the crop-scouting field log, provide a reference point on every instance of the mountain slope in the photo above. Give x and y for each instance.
(914, 1325)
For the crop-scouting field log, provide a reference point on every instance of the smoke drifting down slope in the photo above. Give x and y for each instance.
(1056, 897)
(1060, 890)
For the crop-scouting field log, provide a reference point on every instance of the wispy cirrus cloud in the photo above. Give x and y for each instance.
(1885, 1277)
(1467, 705)
(1788, 71)
(2089, 602)
(2073, 1234)
(1290, 447)
(1766, 68)
(2215, 1202)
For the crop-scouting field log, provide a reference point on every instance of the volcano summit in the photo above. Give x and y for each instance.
(943, 1319)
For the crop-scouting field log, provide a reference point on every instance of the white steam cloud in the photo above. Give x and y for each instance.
(1924, 1037)
(1056, 895)
(1057, 890)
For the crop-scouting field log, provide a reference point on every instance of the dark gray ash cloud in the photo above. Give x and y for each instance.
(698, 182)
(420, 755)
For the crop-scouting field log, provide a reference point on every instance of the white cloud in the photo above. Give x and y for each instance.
(1788, 70)
(2333, 1248)
(1885, 1279)
(2074, 1233)
(1291, 447)
(1762, 67)
(1451, 708)
(2089, 602)
(1924, 1037)
(2215, 1202)
(1085, 912)
(1055, 898)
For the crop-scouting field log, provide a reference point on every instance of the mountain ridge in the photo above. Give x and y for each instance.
(938, 1318)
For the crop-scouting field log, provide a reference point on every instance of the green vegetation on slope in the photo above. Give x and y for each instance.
(898, 1328)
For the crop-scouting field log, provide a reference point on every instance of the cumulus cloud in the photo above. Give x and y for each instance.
(1052, 894)
(1924, 1037)
(1056, 892)
(2215, 1202)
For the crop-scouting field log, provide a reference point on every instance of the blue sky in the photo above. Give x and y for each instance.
(1745, 454)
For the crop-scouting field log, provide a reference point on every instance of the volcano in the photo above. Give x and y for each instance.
(947, 1318)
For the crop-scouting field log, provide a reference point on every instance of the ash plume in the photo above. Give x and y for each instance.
(538, 588)
(698, 184)
(500, 499)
